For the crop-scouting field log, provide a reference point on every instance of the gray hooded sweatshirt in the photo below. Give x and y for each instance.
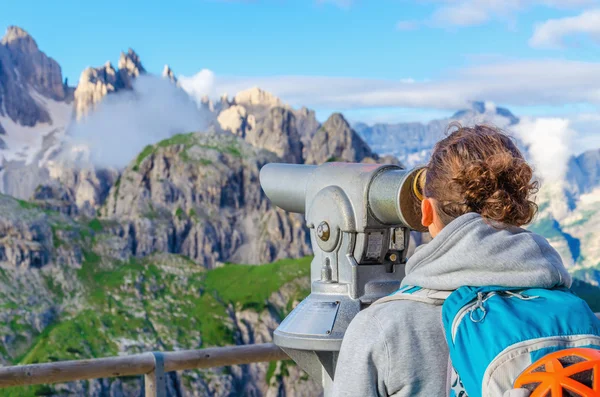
(398, 348)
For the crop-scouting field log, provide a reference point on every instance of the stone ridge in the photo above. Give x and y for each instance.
(24, 71)
(96, 83)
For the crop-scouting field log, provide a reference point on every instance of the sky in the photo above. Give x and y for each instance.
(375, 60)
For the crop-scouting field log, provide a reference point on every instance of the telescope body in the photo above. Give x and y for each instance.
(360, 217)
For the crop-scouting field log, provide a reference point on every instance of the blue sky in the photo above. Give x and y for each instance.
(373, 59)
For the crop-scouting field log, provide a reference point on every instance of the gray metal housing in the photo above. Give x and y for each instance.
(359, 217)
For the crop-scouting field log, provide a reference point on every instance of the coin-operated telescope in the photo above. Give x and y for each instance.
(360, 217)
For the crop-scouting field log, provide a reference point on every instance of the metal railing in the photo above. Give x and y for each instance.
(152, 365)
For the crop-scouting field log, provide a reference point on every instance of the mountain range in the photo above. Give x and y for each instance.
(102, 258)
(412, 142)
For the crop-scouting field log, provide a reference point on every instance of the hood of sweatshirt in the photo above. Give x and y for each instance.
(469, 251)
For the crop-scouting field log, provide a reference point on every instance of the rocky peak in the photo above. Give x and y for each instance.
(23, 68)
(17, 38)
(34, 67)
(307, 126)
(583, 173)
(257, 97)
(130, 62)
(96, 83)
(207, 104)
(481, 111)
(337, 141)
(223, 104)
(236, 120)
(168, 74)
(278, 133)
(130, 67)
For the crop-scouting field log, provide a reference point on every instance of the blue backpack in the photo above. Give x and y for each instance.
(494, 333)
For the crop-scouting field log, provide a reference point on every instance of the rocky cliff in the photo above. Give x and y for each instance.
(583, 175)
(570, 214)
(335, 140)
(96, 83)
(168, 73)
(295, 135)
(64, 296)
(26, 74)
(199, 195)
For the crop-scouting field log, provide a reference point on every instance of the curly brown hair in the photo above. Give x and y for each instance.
(480, 169)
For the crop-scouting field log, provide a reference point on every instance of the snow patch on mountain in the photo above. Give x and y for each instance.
(24, 143)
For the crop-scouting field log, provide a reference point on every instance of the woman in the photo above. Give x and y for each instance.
(477, 192)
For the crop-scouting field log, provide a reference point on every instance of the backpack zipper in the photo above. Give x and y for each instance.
(470, 309)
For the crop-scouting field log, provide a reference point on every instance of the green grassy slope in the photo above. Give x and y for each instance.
(164, 302)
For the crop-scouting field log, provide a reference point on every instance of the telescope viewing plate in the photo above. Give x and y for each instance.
(311, 318)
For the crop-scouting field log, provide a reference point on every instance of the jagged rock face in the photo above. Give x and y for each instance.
(130, 67)
(583, 173)
(26, 72)
(206, 104)
(278, 130)
(96, 83)
(76, 190)
(28, 237)
(168, 74)
(257, 97)
(35, 68)
(16, 102)
(569, 215)
(236, 120)
(278, 134)
(337, 141)
(199, 195)
(294, 135)
(56, 197)
(307, 126)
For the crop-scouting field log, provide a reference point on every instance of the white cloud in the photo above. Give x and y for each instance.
(551, 34)
(125, 122)
(202, 83)
(476, 12)
(473, 12)
(549, 141)
(516, 83)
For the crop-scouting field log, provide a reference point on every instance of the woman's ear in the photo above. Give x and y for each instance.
(426, 212)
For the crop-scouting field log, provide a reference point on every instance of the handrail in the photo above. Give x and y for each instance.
(153, 365)
(139, 364)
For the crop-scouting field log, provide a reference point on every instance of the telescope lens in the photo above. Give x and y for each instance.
(419, 184)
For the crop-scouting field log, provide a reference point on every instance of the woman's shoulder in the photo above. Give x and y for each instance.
(393, 336)
(390, 315)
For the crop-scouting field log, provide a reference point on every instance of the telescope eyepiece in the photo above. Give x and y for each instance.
(419, 184)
